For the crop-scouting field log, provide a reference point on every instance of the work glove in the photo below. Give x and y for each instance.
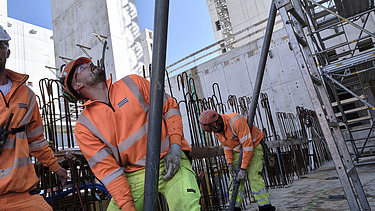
(241, 175)
(231, 170)
(62, 175)
(171, 162)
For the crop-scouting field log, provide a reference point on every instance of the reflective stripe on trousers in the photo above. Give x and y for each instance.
(181, 192)
(257, 185)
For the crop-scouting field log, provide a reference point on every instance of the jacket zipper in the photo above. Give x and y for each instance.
(6, 103)
(19, 85)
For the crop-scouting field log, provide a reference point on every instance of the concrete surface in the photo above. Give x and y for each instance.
(312, 191)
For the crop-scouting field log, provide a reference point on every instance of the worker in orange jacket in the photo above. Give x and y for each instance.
(112, 134)
(20, 138)
(233, 133)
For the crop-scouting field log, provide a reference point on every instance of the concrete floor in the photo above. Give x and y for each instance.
(312, 191)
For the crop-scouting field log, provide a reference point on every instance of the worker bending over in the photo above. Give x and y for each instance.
(21, 135)
(233, 133)
(112, 134)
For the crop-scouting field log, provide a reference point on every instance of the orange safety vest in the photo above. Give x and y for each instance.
(236, 133)
(17, 173)
(113, 137)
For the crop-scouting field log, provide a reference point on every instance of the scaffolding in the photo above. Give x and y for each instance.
(333, 76)
(224, 24)
(346, 61)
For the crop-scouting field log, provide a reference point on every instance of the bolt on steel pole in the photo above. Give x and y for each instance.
(258, 84)
(156, 105)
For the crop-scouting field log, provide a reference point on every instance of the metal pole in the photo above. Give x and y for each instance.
(156, 105)
(258, 84)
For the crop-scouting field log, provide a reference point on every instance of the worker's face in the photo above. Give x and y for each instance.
(4, 54)
(88, 74)
(217, 126)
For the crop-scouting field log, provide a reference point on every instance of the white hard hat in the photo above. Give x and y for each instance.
(4, 36)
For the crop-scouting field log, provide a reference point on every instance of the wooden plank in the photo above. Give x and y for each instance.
(349, 100)
(356, 120)
(206, 152)
(352, 111)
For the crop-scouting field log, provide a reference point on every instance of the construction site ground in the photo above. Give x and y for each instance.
(321, 190)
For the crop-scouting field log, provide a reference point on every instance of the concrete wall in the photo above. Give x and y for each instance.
(147, 40)
(3, 12)
(31, 51)
(235, 72)
(75, 21)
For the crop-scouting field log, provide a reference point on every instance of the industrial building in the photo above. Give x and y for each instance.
(319, 66)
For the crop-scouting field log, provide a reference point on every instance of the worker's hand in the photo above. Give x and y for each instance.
(62, 175)
(241, 175)
(171, 162)
(231, 169)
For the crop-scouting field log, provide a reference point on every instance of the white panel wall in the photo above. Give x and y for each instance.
(236, 71)
(126, 40)
(75, 21)
(30, 53)
(147, 40)
(3, 12)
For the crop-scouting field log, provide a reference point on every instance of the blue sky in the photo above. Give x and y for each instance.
(189, 22)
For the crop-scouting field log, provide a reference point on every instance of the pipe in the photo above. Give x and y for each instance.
(156, 105)
(258, 83)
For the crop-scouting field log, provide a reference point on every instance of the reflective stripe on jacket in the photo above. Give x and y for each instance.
(237, 133)
(17, 173)
(113, 137)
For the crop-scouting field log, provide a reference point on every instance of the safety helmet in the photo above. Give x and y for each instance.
(207, 119)
(66, 79)
(4, 36)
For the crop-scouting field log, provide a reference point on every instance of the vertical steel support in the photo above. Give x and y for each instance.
(156, 105)
(258, 84)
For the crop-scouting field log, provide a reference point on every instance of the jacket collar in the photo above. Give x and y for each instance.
(226, 121)
(16, 78)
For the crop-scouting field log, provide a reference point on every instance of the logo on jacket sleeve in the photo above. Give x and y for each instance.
(122, 102)
(22, 105)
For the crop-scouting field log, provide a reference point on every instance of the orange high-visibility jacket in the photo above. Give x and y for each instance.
(17, 173)
(237, 133)
(113, 137)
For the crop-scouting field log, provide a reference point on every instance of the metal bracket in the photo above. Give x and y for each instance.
(100, 38)
(51, 69)
(281, 3)
(65, 59)
(83, 48)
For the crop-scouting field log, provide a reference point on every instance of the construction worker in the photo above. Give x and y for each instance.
(112, 134)
(21, 135)
(233, 133)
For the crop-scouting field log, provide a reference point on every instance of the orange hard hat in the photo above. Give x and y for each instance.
(66, 78)
(207, 118)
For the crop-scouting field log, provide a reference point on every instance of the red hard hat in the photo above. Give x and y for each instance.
(67, 75)
(207, 118)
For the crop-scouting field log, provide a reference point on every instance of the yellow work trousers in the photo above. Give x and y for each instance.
(254, 175)
(181, 192)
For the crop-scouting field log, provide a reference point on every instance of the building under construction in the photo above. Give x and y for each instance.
(306, 67)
